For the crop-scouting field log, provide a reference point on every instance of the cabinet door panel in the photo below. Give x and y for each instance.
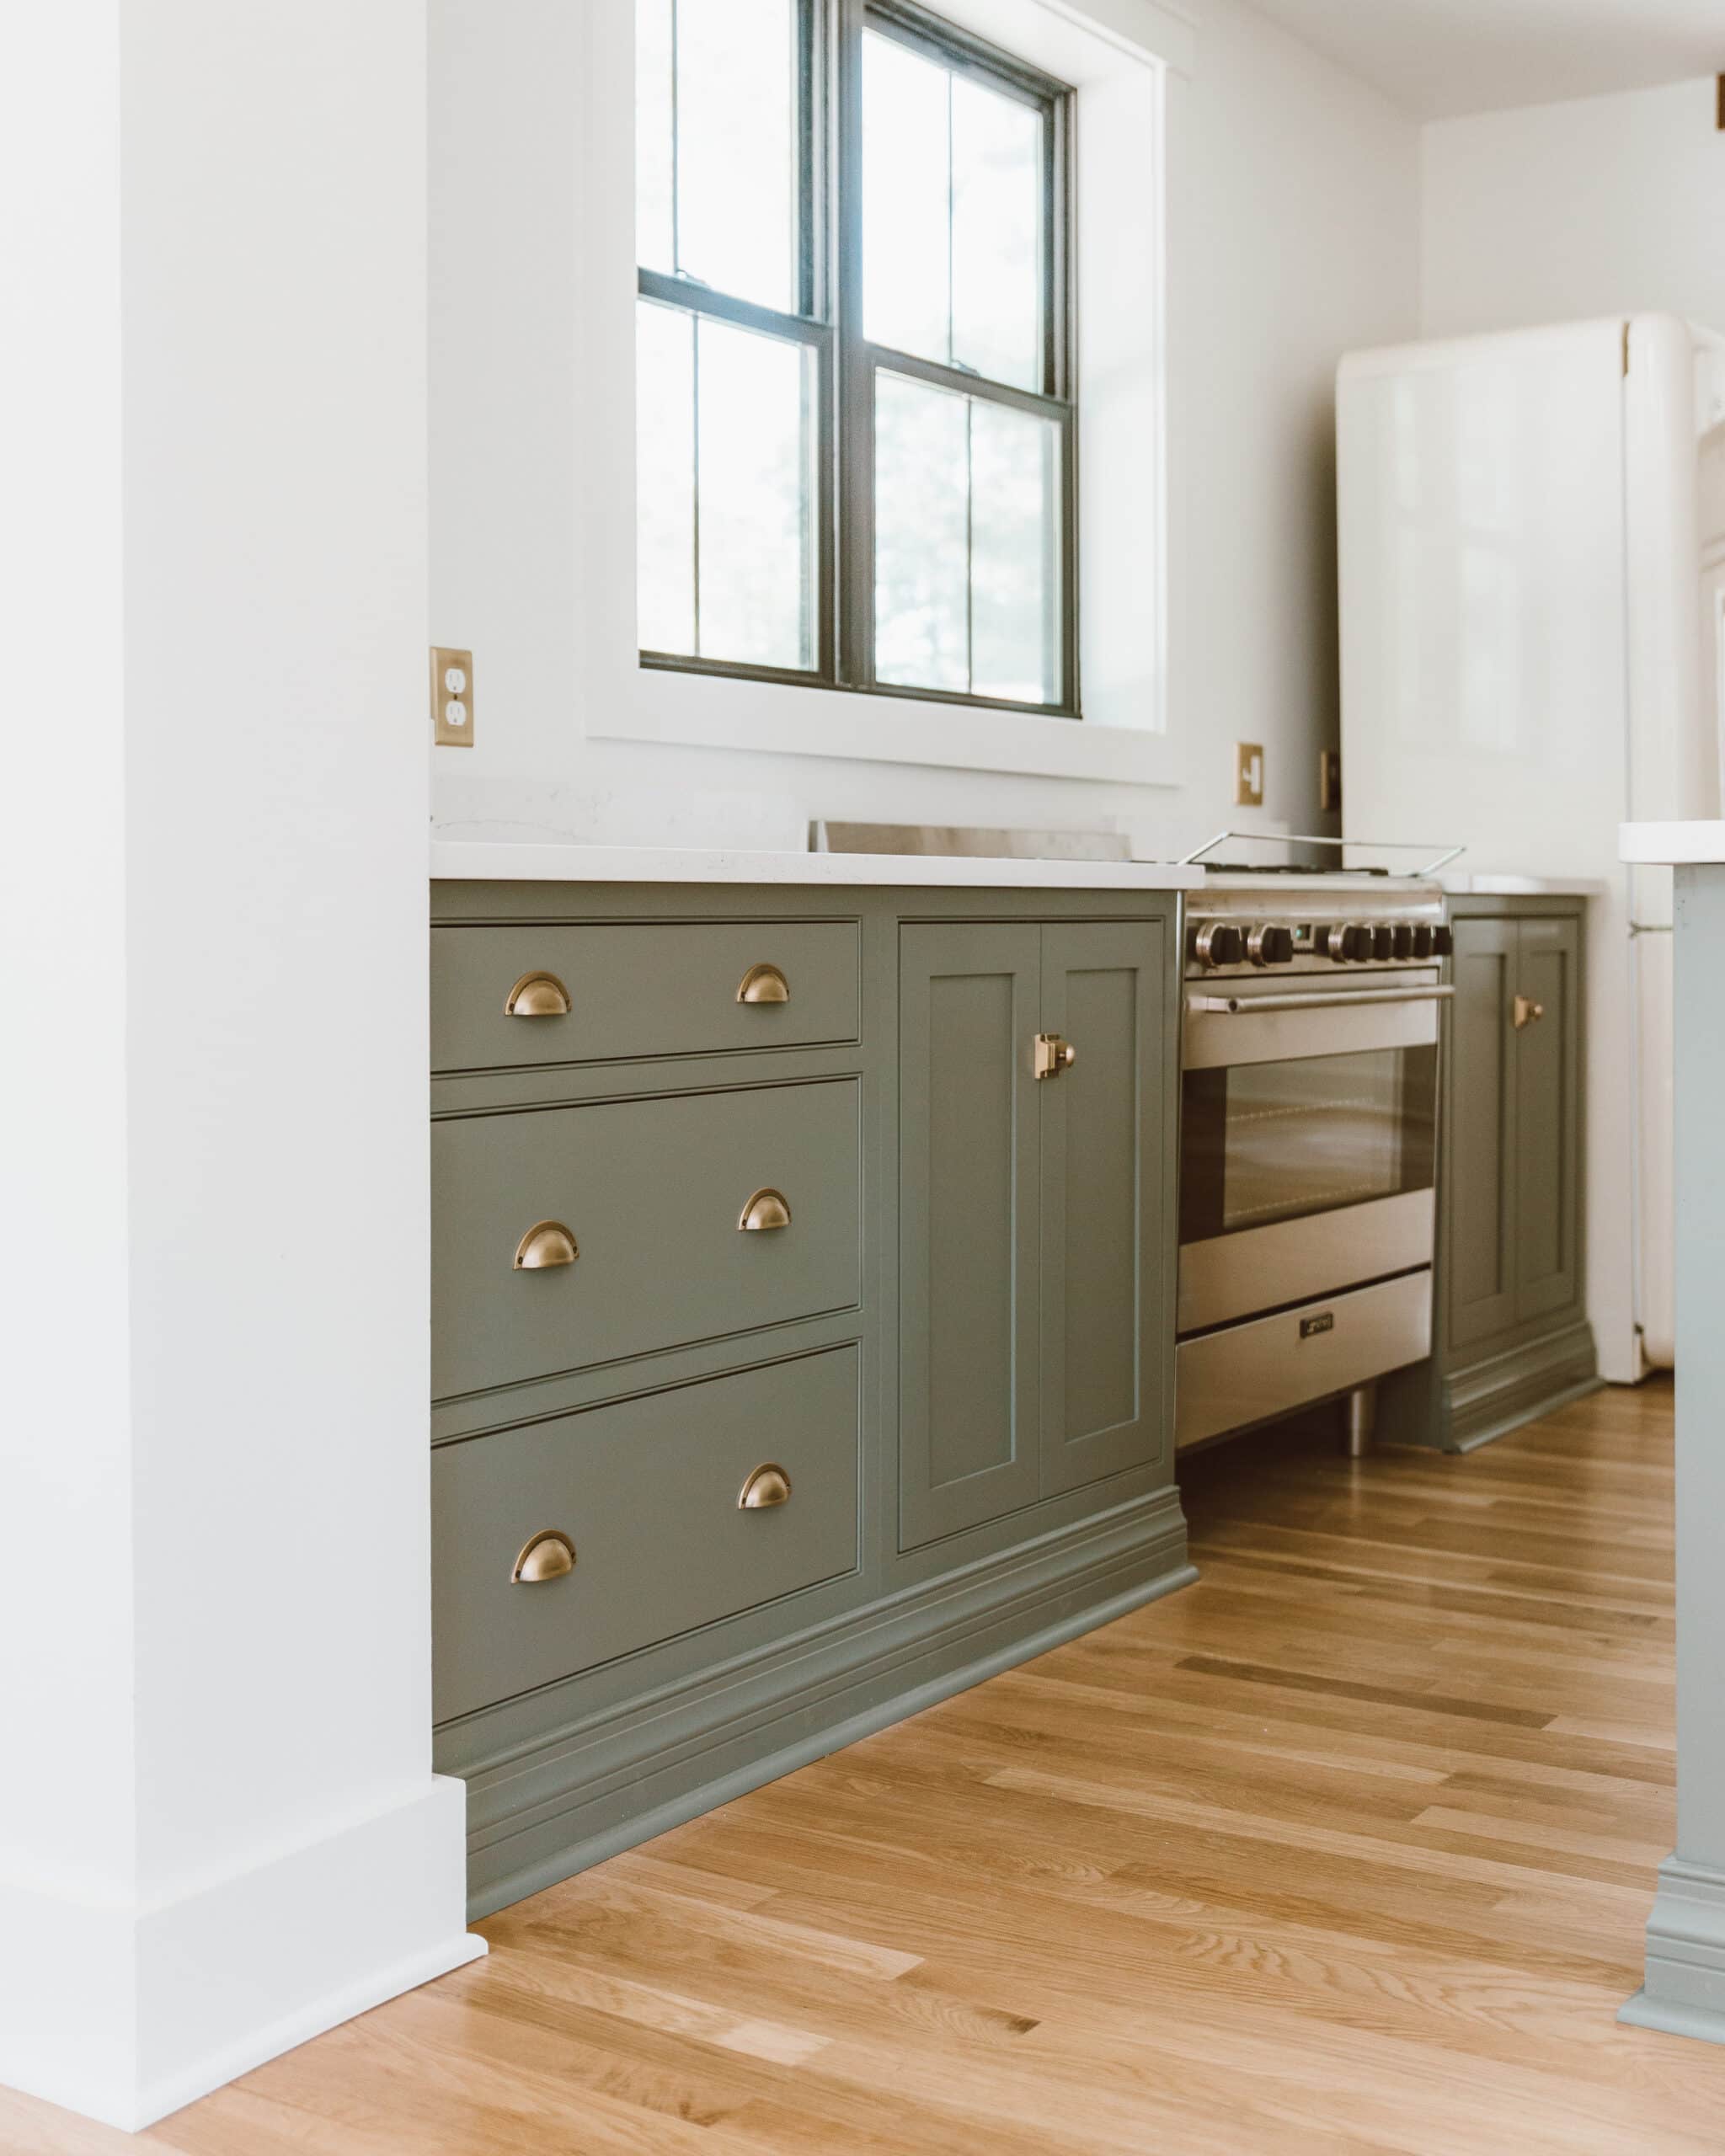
(969, 1228)
(1480, 1291)
(1103, 1228)
(1548, 1125)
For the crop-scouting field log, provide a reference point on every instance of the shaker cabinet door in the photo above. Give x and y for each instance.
(969, 1225)
(1481, 1121)
(1548, 1135)
(1105, 1211)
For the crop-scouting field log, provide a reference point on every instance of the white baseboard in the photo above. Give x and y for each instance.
(126, 2013)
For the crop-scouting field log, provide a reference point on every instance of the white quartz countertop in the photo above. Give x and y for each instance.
(463, 860)
(1672, 842)
(1485, 885)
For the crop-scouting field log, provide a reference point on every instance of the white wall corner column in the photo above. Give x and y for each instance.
(219, 1828)
(1684, 1985)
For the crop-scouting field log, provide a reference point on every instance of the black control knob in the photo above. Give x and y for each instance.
(1422, 941)
(1383, 941)
(1356, 942)
(1218, 943)
(1443, 942)
(1270, 946)
(1404, 939)
(1327, 938)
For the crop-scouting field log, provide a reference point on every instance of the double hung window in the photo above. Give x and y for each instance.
(856, 439)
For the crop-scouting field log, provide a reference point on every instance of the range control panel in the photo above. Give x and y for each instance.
(1236, 931)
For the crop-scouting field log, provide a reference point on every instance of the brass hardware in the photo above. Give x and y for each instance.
(766, 1209)
(769, 1485)
(1527, 1012)
(546, 1243)
(452, 697)
(1054, 1056)
(1329, 778)
(547, 1555)
(764, 985)
(1248, 775)
(538, 995)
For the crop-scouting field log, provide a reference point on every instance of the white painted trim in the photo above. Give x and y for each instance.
(178, 1995)
(217, 2068)
(714, 711)
(1117, 54)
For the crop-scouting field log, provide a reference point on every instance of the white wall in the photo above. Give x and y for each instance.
(219, 1828)
(1557, 212)
(1293, 221)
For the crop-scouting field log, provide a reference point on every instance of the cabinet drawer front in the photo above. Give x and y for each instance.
(636, 990)
(646, 1493)
(651, 1194)
(1244, 1373)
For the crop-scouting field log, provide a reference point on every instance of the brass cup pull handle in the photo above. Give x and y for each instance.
(769, 1485)
(1527, 1012)
(546, 1243)
(766, 1210)
(538, 995)
(547, 1555)
(764, 985)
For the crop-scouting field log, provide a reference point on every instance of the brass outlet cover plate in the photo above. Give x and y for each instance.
(451, 696)
(1248, 774)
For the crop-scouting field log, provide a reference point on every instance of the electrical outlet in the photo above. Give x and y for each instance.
(452, 697)
(1248, 775)
(1329, 779)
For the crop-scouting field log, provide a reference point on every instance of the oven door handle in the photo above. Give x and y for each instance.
(1322, 999)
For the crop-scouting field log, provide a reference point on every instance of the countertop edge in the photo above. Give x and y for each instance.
(1672, 844)
(479, 861)
(1488, 885)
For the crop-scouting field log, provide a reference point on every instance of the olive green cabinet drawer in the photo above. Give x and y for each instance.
(639, 990)
(646, 1494)
(566, 1236)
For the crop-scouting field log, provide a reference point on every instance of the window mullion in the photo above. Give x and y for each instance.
(855, 448)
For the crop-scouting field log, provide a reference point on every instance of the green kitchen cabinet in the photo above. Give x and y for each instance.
(798, 1355)
(1511, 1331)
(970, 1225)
(1031, 1220)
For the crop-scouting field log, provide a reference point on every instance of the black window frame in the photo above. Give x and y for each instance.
(829, 322)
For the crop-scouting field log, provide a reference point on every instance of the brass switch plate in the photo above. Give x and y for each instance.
(451, 696)
(1248, 775)
(1329, 778)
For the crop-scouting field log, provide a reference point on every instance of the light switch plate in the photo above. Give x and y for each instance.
(451, 696)
(1248, 775)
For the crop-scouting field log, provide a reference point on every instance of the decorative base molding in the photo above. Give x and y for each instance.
(591, 1786)
(175, 1998)
(1684, 1991)
(1493, 1397)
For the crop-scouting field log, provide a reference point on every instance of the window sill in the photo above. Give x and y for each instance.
(713, 711)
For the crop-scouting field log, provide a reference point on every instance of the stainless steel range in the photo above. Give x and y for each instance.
(1307, 1186)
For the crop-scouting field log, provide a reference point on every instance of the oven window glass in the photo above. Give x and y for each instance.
(1264, 1142)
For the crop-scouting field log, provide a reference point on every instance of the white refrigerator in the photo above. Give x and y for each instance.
(1531, 539)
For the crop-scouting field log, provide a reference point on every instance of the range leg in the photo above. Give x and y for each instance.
(1359, 1410)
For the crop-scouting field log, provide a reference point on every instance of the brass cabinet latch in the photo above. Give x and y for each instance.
(1054, 1056)
(1527, 1012)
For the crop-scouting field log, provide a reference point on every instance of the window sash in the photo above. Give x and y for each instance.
(830, 254)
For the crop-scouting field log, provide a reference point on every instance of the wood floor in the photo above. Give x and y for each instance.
(1348, 1848)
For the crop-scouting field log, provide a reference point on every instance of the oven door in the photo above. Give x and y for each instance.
(1307, 1144)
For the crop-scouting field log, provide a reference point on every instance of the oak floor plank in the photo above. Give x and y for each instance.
(1345, 1851)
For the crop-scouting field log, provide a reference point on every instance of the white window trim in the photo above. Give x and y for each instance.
(1117, 54)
